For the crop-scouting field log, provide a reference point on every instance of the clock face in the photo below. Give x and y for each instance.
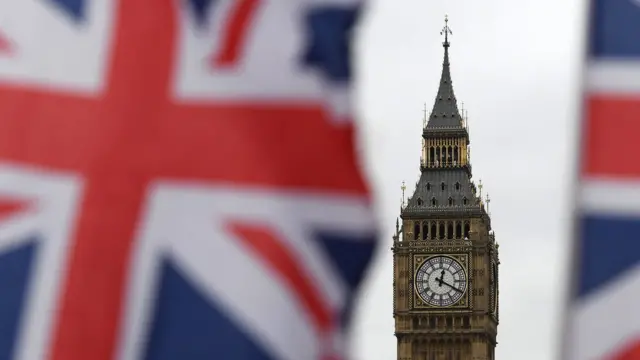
(441, 281)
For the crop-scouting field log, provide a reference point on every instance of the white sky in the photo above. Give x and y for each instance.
(516, 66)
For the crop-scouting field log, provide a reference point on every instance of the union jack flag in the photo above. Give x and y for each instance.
(178, 180)
(603, 314)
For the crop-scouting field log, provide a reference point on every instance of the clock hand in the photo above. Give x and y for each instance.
(439, 280)
(451, 286)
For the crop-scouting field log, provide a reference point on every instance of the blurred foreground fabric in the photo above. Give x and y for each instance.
(178, 180)
(603, 317)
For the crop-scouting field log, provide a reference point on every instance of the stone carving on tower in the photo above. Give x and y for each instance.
(445, 256)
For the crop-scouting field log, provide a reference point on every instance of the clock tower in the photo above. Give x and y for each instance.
(445, 256)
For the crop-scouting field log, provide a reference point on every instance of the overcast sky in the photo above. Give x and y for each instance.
(516, 66)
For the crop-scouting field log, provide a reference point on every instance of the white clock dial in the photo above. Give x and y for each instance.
(441, 281)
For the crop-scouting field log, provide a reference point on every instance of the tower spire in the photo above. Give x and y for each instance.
(445, 113)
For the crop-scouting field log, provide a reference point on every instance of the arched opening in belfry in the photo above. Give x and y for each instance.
(441, 232)
(434, 202)
(431, 155)
(465, 201)
(456, 156)
(458, 230)
(457, 186)
(419, 201)
(428, 186)
(437, 158)
(467, 228)
(450, 230)
(416, 231)
(425, 231)
(444, 155)
(450, 155)
(451, 203)
(433, 231)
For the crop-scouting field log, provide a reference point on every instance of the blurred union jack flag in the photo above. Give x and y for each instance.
(178, 180)
(603, 314)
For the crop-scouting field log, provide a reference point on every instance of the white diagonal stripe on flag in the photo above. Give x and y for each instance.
(55, 200)
(195, 242)
(262, 318)
(73, 58)
(202, 237)
(598, 326)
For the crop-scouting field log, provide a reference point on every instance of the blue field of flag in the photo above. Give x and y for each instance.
(615, 28)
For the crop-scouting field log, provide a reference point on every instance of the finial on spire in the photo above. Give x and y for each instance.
(403, 188)
(446, 30)
(480, 188)
(424, 117)
(466, 121)
(487, 200)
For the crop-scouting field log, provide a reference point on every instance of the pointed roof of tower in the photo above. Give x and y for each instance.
(445, 113)
(444, 190)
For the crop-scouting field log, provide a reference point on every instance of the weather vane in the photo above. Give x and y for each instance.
(446, 30)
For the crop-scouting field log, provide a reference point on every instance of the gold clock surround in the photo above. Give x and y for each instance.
(463, 303)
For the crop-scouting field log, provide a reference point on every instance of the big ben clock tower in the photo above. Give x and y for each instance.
(445, 256)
